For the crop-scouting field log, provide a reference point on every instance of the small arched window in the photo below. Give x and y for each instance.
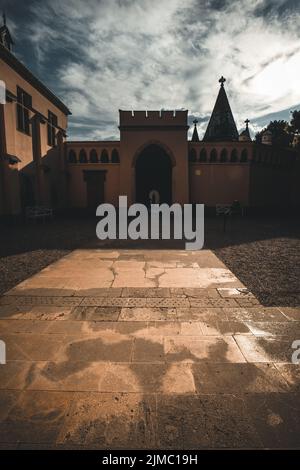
(203, 155)
(82, 156)
(213, 156)
(234, 156)
(115, 156)
(104, 156)
(244, 156)
(223, 157)
(72, 156)
(192, 155)
(93, 156)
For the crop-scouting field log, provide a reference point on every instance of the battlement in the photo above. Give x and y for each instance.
(153, 118)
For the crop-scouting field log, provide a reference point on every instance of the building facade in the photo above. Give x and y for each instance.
(153, 161)
(33, 123)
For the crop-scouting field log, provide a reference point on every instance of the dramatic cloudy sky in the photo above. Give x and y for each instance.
(99, 56)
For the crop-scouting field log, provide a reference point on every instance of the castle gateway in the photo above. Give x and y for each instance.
(155, 162)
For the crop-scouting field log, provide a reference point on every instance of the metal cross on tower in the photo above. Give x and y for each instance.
(222, 81)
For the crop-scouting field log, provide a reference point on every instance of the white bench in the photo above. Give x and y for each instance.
(38, 212)
(223, 209)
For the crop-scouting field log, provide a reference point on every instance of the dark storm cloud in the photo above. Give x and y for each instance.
(99, 56)
(280, 8)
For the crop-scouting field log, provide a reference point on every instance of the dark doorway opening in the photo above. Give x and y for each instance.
(95, 188)
(153, 176)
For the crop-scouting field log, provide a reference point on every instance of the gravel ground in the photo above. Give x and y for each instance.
(26, 249)
(264, 253)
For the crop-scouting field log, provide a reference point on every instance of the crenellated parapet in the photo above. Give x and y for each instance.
(153, 119)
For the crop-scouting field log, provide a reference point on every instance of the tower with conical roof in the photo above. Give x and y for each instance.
(195, 136)
(221, 126)
(245, 134)
(5, 37)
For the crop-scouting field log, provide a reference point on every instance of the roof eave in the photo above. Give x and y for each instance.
(20, 68)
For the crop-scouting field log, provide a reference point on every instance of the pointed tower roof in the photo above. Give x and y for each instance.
(195, 136)
(245, 134)
(5, 36)
(221, 125)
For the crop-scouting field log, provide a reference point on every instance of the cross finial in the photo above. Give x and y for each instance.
(222, 81)
(4, 18)
(247, 123)
(195, 122)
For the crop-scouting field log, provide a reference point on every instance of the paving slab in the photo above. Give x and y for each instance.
(110, 346)
(24, 346)
(96, 313)
(292, 313)
(291, 373)
(68, 375)
(288, 329)
(209, 422)
(148, 314)
(35, 417)
(238, 379)
(14, 375)
(148, 378)
(265, 349)
(217, 327)
(276, 419)
(200, 313)
(202, 348)
(106, 421)
(255, 314)
(8, 399)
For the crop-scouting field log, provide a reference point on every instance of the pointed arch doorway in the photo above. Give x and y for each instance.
(153, 175)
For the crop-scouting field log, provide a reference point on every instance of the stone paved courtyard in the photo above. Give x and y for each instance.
(119, 348)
